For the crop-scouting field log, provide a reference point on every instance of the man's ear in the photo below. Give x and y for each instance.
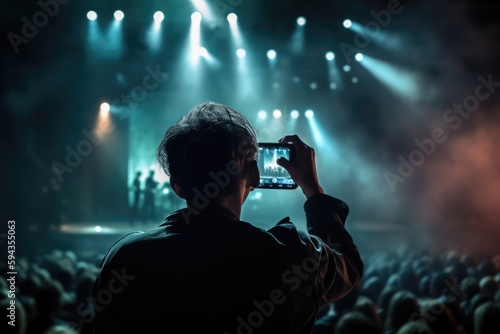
(176, 188)
(253, 175)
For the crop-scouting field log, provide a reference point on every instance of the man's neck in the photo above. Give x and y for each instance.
(232, 203)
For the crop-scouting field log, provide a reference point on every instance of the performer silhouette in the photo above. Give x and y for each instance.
(136, 187)
(149, 209)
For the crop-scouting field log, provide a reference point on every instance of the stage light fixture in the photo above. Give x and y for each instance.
(313, 85)
(277, 113)
(271, 54)
(354, 80)
(309, 113)
(301, 21)
(262, 114)
(294, 114)
(105, 108)
(358, 56)
(232, 18)
(97, 229)
(333, 86)
(196, 16)
(92, 15)
(347, 23)
(330, 56)
(241, 53)
(158, 16)
(119, 15)
(346, 68)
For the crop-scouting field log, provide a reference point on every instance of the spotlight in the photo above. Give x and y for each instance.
(354, 80)
(196, 16)
(346, 68)
(277, 113)
(358, 56)
(347, 23)
(158, 16)
(241, 53)
(105, 107)
(119, 15)
(333, 86)
(294, 114)
(313, 85)
(271, 54)
(301, 21)
(262, 114)
(330, 56)
(309, 113)
(97, 229)
(232, 18)
(92, 15)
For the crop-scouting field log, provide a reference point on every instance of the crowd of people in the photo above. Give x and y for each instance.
(400, 293)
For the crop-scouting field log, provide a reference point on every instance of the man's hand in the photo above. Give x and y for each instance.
(303, 169)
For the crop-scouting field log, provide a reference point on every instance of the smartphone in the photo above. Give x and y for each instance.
(273, 176)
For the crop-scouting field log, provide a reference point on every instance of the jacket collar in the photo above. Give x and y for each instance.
(188, 216)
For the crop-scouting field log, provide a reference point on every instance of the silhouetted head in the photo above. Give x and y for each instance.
(403, 307)
(486, 318)
(208, 152)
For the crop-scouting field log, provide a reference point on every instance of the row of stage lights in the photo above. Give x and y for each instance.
(294, 114)
(232, 18)
(262, 114)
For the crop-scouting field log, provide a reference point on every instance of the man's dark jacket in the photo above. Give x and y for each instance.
(212, 273)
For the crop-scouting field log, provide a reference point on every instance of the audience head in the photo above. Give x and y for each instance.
(368, 308)
(488, 286)
(439, 317)
(415, 327)
(354, 322)
(487, 318)
(403, 307)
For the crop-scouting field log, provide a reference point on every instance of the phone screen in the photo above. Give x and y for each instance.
(271, 174)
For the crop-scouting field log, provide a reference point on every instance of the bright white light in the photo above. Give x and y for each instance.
(346, 68)
(92, 15)
(277, 113)
(271, 54)
(301, 21)
(354, 80)
(196, 16)
(358, 56)
(330, 56)
(158, 16)
(203, 52)
(309, 113)
(97, 229)
(232, 18)
(166, 191)
(262, 114)
(119, 15)
(294, 114)
(104, 109)
(241, 53)
(347, 23)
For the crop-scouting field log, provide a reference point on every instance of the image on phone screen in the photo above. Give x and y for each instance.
(271, 174)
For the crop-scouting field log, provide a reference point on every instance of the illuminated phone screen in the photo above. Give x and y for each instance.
(271, 174)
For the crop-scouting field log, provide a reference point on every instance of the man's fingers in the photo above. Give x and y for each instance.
(283, 162)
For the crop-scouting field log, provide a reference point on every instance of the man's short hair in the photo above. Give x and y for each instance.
(202, 144)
